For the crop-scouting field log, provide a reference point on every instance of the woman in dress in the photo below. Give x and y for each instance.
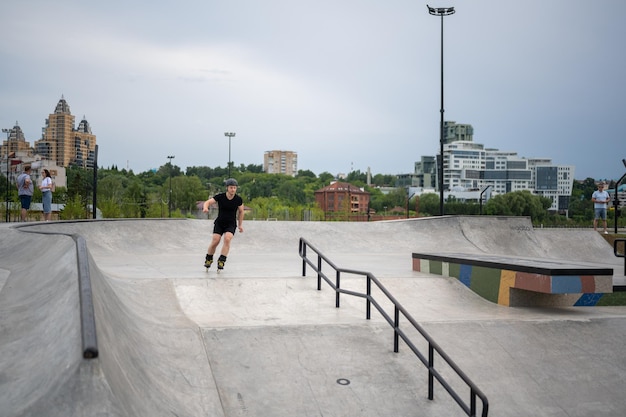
(46, 190)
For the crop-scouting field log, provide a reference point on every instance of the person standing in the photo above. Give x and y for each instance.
(46, 191)
(229, 217)
(25, 191)
(600, 200)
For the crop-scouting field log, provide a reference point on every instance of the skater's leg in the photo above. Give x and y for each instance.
(215, 240)
(228, 236)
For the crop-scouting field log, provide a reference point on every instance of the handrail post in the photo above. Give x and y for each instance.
(303, 255)
(338, 286)
(319, 272)
(472, 402)
(616, 252)
(396, 326)
(431, 366)
(368, 302)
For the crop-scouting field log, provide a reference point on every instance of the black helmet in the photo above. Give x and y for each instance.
(231, 181)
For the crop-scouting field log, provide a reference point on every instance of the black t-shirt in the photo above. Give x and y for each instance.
(227, 213)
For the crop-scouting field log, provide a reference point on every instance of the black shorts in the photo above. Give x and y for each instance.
(220, 229)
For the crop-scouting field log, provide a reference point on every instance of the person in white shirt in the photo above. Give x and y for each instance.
(46, 191)
(600, 200)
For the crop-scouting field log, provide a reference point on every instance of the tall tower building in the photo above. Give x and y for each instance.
(454, 132)
(280, 162)
(15, 142)
(64, 144)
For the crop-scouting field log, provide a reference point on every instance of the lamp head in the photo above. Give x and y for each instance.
(440, 11)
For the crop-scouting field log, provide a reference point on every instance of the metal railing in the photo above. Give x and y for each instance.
(622, 253)
(428, 360)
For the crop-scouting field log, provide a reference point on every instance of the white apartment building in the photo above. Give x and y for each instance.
(469, 167)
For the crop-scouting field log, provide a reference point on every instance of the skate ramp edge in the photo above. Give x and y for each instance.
(41, 363)
(152, 360)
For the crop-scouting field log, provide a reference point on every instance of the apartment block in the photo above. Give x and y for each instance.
(280, 162)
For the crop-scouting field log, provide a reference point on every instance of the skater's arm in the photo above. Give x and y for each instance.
(205, 206)
(240, 218)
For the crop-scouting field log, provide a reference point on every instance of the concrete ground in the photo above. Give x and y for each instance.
(260, 340)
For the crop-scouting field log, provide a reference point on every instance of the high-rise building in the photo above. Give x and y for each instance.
(64, 144)
(15, 142)
(280, 162)
(454, 132)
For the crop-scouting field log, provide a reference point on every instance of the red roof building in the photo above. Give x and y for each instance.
(342, 197)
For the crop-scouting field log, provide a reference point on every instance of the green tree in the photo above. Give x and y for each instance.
(74, 209)
(429, 204)
(186, 192)
(110, 208)
(519, 203)
(306, 173)
(397, 197)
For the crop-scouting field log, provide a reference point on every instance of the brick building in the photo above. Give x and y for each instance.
(341, 197)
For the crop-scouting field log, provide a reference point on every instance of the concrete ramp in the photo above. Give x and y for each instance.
(152, 355)
(259, 340)
(41, 367)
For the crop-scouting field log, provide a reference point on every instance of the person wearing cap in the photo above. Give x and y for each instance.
(600, 199)
(229, 218)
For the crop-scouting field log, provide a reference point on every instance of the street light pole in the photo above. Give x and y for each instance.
(8, 184)
(230, 135)
(441, 11)
(169, 199)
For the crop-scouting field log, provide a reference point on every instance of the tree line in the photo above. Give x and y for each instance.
(124, 194)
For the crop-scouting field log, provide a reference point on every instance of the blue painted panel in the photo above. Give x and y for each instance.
(566, 284)
(588, 299)
(465, 275)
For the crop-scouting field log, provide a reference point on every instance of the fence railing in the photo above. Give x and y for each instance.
(427, 359)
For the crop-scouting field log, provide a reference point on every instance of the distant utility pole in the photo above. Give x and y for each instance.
(169, 199)
(229, 135)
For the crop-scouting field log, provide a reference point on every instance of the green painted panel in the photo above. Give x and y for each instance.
(486, 282)
(613, 299)
(455, 270)
(435, 267)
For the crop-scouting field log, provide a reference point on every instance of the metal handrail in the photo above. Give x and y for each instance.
(617, 253)
(427, 360)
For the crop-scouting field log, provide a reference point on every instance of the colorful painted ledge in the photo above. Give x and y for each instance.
(512, 281)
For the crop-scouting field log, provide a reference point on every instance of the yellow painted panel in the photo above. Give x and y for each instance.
(507, 280)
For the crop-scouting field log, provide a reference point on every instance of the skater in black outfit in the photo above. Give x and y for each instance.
(229, 216)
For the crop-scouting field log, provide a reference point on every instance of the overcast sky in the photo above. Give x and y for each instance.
(347, 84)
